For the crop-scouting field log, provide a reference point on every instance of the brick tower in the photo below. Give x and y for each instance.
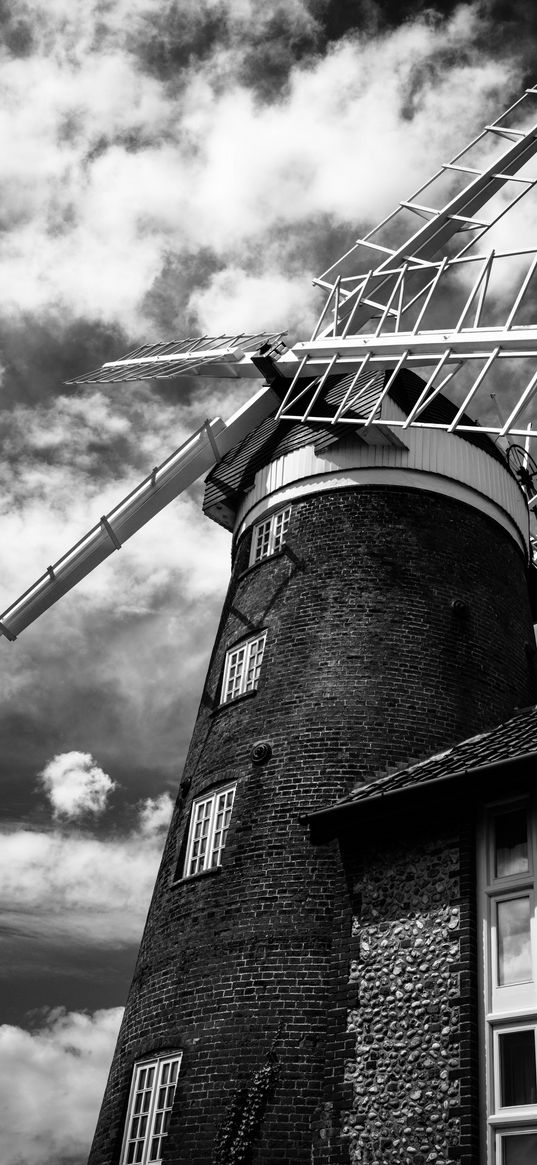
(377, 611)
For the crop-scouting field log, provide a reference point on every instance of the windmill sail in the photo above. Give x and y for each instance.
(201, 356)
(433, 298)
(349, 274)
(198, 454)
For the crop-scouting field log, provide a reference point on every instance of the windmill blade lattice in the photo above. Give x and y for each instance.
(354, 285)
(443, 315)
(225, 356)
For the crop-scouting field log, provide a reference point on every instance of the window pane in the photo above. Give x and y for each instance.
(224, 805)
(519, 1150)
(235, 670)
(281, 524)
(511, 848)
(517, 1068)
(154, 1102)
(269, 536)
(514, 949)
(255, 659)
(262, 538)
(206, 851)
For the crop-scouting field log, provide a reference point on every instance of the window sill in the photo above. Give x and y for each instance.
(232, 703)
(196, 877)
(514, 1117)
(262, 561)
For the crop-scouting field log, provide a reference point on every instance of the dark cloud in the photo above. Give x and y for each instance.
(40, 355)
(340, 18)
(87, 980)
(177, 36)
(16, 32)
(263, 45)
(273, 48)
(266, 45)
(167, 303)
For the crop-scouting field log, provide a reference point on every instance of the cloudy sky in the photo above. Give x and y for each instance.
(168, 169)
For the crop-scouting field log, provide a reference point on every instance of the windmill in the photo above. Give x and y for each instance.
(376, 520)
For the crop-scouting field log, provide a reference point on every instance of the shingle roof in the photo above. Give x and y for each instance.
(236, 471)
(514, 738)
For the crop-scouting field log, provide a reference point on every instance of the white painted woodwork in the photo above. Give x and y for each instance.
(433, 460)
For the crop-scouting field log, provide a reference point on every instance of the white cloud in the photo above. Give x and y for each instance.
(347, 141)
(236, 300)
(155, 814)
(92, 221)
(52, 1081)
(61, 884)
(75, 785)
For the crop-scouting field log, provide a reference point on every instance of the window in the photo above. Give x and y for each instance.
(242, 668)
(508, 874)
(269, 536)
(150, 1106)
(209, 824)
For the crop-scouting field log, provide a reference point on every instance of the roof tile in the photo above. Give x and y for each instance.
(513, 738)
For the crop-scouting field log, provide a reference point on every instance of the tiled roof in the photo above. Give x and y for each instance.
(514, 738)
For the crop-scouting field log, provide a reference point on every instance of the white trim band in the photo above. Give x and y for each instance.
(433, 461)
(396, 479)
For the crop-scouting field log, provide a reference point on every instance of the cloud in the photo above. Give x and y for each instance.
(116, 174)
(61, 884)
(155, 814)
(132, 641)
(52, 1079)
(75, 785)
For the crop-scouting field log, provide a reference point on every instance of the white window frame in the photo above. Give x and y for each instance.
(520, 1112)
(268, 536)
(206, 846)
(158, 1107)
(511, 1007)
(516, 1130)
(242, 667)
(512, 996)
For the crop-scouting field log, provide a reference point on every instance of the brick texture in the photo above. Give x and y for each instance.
(366, 666)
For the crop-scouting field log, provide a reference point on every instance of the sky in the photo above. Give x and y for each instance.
(168, 169)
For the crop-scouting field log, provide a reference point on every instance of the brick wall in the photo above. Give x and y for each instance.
(366, 665)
